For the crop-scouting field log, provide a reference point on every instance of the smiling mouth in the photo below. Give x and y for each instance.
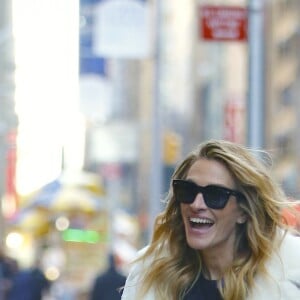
(200, 223)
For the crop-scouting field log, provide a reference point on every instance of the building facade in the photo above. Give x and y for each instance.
(282, 66)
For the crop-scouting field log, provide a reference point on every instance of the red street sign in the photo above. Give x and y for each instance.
(223, 23)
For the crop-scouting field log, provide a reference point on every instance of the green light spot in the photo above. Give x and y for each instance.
(82, 236)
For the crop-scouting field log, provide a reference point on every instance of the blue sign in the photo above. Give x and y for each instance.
(89, 62)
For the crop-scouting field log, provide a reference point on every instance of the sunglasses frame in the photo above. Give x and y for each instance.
(204, 190)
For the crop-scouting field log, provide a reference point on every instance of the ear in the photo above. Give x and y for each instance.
(242, 218)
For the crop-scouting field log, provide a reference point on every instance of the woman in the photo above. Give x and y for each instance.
(221, 235)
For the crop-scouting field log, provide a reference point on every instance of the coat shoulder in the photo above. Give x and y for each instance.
(133, 281)
(283, 280)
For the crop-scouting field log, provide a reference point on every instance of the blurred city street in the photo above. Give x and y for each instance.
(100, 99)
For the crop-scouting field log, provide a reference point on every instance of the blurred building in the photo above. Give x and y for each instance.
(8, 118)
(282, 71)
(202, 87)
(222, 87)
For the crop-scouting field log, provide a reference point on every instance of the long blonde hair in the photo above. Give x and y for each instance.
(175, 266)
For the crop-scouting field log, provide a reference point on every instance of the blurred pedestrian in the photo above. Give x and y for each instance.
(7, 270)
(29, 284)
(221, 235)
(108, 285)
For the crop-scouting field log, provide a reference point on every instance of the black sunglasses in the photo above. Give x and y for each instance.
(214, 196)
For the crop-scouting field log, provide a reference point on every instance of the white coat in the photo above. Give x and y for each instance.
(282, 284)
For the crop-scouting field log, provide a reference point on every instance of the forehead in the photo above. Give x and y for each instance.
(208, 171)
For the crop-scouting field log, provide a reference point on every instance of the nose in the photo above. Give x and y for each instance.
(198, 202)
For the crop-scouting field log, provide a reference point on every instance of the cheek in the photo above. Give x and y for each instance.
(183, 211)
(229, 217)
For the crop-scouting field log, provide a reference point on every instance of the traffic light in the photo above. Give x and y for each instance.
(171, 148)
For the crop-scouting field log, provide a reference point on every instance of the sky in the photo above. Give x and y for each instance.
(46, 53)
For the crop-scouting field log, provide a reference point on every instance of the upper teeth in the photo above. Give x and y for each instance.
(200, 220)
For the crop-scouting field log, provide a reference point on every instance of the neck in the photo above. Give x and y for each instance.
(216, 264)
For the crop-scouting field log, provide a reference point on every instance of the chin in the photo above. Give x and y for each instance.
(197, 244)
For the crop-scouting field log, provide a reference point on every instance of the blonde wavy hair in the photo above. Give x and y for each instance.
(176, 266)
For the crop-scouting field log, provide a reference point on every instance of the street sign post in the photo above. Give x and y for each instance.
(256, 76)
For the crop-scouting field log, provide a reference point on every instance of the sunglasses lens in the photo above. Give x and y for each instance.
(184, 192)
(215, 197)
